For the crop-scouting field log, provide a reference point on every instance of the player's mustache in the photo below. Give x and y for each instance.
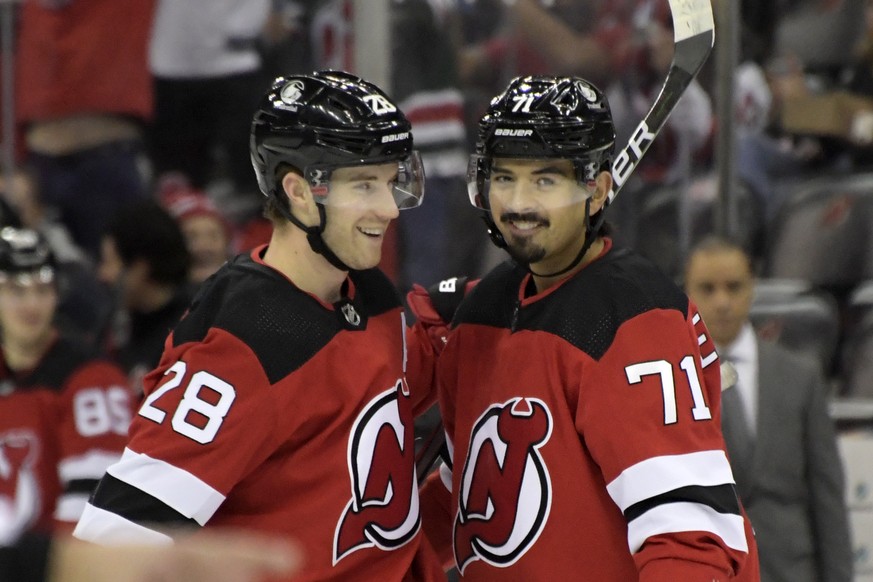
(523, 217)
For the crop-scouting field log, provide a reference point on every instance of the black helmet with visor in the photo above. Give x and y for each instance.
(544, 117)
(25, 257)
(318, 122)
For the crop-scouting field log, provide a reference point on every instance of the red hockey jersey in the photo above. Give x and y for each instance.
(275, 412)
(61, 425)
(584, 433)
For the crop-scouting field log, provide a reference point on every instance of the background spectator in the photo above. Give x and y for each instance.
(780, 440)
(208, 234)
(64, 412)
(83, 92)
(82, 300)
(205, 57)
(145, 262)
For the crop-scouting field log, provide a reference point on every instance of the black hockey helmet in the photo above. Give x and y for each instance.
(329, 119)
(543, 117)
(25, 257)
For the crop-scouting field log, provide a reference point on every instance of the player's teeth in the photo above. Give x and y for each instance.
(370, 231)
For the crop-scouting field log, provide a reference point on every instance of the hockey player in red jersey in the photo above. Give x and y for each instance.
(578, 387)
(282, 402)
(64, 412)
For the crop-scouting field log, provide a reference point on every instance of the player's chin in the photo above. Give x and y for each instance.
(365, 261)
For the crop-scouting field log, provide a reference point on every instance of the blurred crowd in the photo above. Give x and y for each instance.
(118, 102)
(132, 119)
(123, 105)
(129, 102)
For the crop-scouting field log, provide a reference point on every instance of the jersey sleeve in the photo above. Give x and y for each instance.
(436, 492)
(650, 417)
(94, 414)
(421, 368)
(436, 514)
(209, 417)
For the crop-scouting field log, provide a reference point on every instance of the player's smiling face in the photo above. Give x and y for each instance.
(539, 208)
(360, 209)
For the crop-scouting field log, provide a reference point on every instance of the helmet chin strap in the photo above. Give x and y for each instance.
(493, 233)
(313, 235)
(590, 236)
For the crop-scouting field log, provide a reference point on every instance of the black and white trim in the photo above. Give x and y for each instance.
(678, 493)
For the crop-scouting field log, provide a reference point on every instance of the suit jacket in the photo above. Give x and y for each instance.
(794, 493)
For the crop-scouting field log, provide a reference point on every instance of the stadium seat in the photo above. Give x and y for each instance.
(857, 354)
(798, 316)
(659, 220)
(859, 304)
(821, 232)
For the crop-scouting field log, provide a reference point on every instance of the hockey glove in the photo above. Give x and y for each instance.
(435, 306)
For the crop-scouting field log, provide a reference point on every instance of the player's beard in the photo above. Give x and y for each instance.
(522, 249)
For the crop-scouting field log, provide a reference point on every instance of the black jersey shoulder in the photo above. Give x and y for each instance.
(587, 310)
(64, 357)
(492, 301)
(375, 293)
(284, 326)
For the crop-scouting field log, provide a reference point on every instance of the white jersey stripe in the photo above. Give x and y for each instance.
(70, 506)
(713, 356)
(659, 475)
(106, 528)
(446, 476)
(445, 470)
(91, 465)
(685, 516)
(176, 487)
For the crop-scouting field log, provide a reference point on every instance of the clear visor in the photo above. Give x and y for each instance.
(362, 184)
(481, 183)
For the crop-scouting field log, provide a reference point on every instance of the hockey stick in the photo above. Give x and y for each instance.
(693, 39)
(434, 448)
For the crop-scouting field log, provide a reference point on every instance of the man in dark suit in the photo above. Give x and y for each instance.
(779, 436)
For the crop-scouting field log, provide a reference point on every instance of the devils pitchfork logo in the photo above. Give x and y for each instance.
(383, 510)
(19, 490)
(505, 490)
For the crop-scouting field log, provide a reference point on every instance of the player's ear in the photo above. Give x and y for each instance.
(603, 184)
(300, 198)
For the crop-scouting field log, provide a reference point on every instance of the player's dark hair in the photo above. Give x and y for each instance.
(145, 230)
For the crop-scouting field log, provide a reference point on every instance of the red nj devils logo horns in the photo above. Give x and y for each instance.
(505, 490)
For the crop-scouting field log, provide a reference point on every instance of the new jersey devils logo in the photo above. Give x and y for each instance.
(19, 491)
(505, 491)
(383, 510)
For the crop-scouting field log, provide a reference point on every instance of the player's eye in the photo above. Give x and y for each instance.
(363, 186)
(545, 181)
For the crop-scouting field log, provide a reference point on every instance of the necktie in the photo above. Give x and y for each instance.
(736, 431)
